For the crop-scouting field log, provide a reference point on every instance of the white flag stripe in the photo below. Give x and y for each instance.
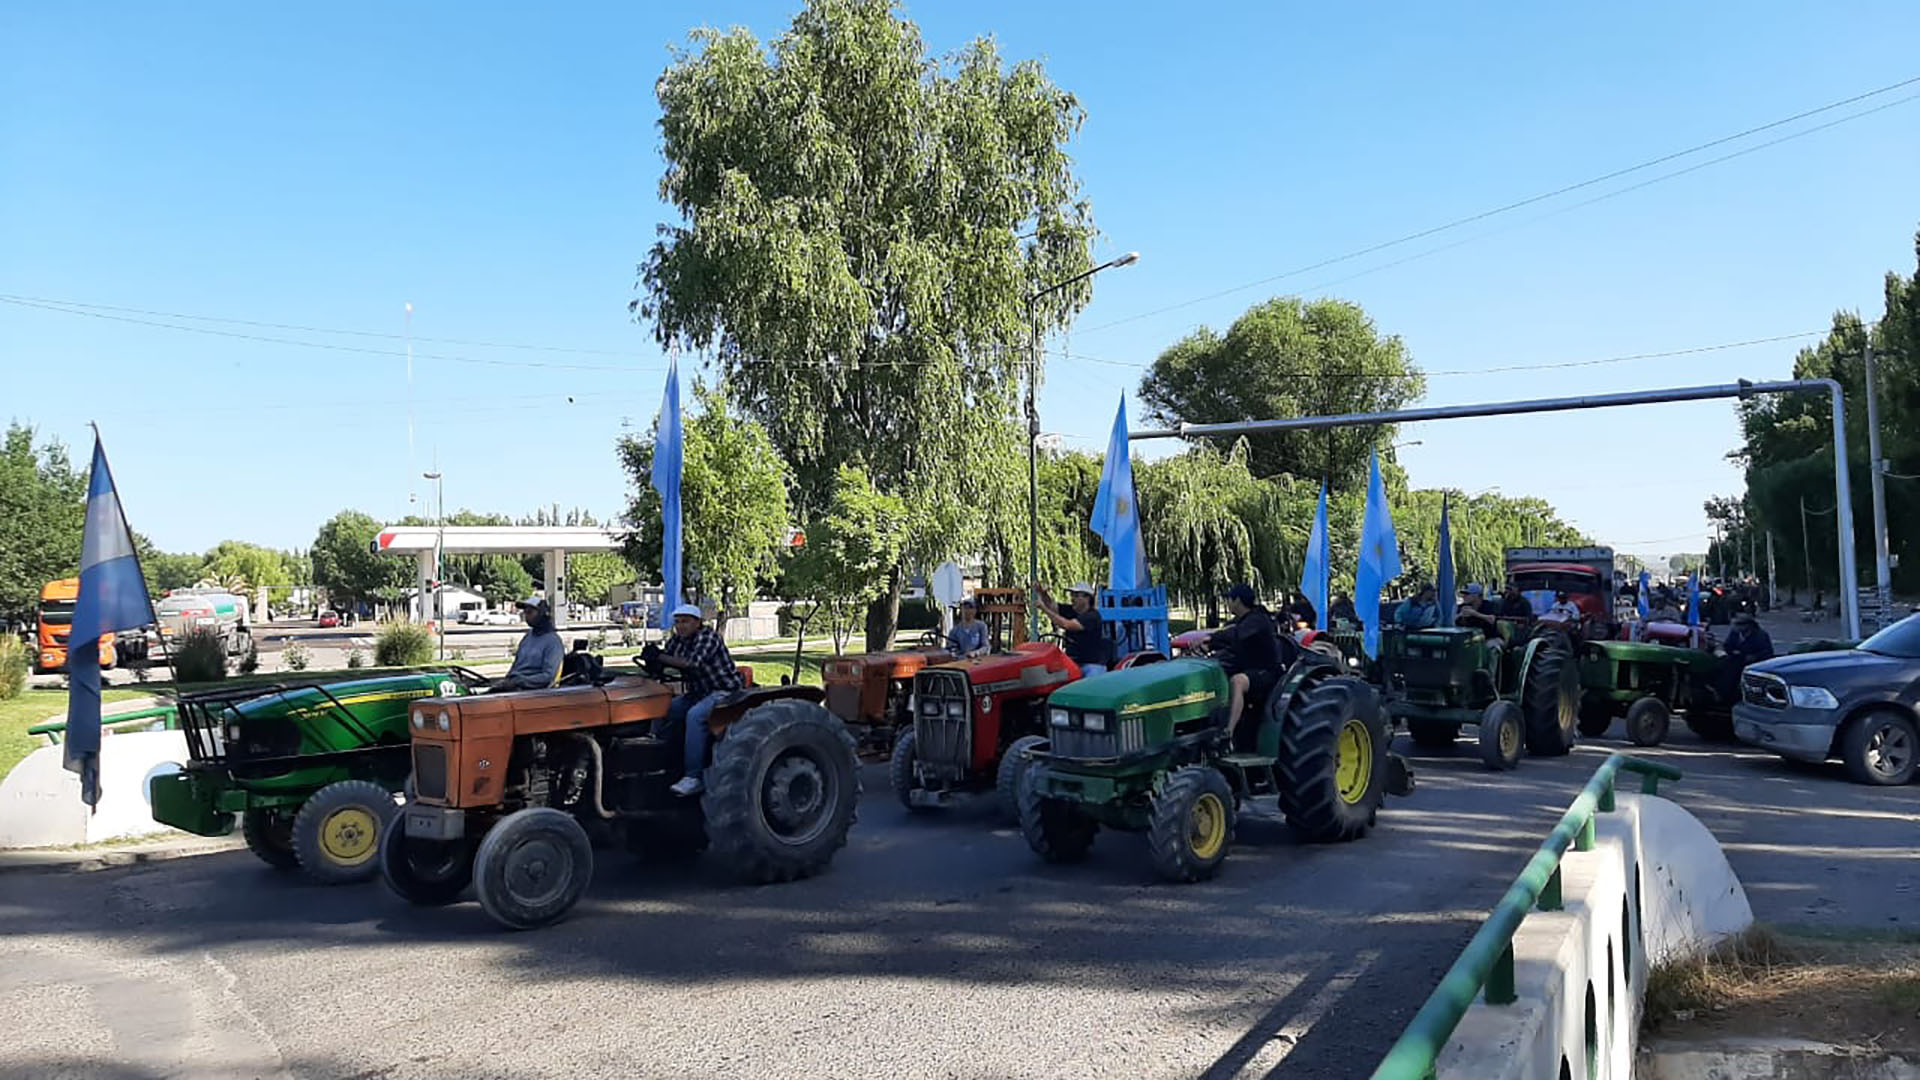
(107, 535)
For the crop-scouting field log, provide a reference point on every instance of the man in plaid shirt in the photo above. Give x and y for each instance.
(707, 670)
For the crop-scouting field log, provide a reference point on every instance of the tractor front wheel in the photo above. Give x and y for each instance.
(1008, 778)
(1432, 734)
(900, 772)
(1333, 760)
(425, 873)
(1551, 699)
(1501, 736)
(532, 867)
(269, 835)
(336, 834)
(1647, 721)
(1056, 830)
(1596, 717)
(1191, 825)
(783, 790)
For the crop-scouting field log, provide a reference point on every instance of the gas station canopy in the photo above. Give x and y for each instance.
(554, 542)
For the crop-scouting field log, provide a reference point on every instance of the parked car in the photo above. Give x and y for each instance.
(1857, 705)
(329, 620)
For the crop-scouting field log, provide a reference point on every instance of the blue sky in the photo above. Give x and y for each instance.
(497, 167)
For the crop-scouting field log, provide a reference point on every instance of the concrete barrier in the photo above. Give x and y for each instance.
(1654, 887)
(40, 800)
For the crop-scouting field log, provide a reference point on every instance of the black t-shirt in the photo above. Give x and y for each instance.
(1253, 641)
(1516, 607)
(1085, 645)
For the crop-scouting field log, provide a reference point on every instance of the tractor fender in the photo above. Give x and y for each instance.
(737, 703)
(1309, 668)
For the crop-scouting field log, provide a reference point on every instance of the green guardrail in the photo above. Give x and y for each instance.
(53, 729)
(1487, 961)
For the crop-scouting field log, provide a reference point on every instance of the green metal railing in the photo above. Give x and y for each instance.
(167, 714)
(1487, 961)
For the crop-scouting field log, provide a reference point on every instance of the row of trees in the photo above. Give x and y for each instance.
(1787, 449)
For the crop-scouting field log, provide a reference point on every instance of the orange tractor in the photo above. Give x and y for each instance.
(513, 789)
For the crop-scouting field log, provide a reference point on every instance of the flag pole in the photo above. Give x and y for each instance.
(153, 620)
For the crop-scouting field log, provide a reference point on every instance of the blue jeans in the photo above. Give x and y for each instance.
(1089, 670)
(691, 713)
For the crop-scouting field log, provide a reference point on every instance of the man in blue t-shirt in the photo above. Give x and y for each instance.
(1079, 624)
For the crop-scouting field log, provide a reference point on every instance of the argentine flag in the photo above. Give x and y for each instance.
(1116, 513)
(668, 451)
(113, 598)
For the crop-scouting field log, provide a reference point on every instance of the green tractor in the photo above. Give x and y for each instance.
(1520, 695)
(1644, 683)
(309, 770)
(1146, 749)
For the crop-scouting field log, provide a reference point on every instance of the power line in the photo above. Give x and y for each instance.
(1544, 196)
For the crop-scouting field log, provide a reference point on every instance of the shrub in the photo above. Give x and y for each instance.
(250, 657)
(296, 658)
(456, 654)
(600, 642)
(13, 667)
(200, 655)
(629, 637)
(356, 658)
(402, 644)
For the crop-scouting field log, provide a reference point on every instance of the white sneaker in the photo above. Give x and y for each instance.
(688, 785)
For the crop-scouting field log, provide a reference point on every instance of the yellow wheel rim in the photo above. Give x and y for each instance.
(1208, 826)
(1509, 739)
(349, 834)
(1353, 765)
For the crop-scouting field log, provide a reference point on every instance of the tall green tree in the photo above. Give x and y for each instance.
(733, 499)
(861, 224)
(591, 575)
(850, 546)
(1283, 358)
(43, 505)
(244, 567)
(345, 566)
(168, 570)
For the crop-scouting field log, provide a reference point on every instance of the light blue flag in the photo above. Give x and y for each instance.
(1314, 569)
(1116, 514)
(1443, 575)
(1645, 600)
(1379, 559)
(113, 598)
(1693, 597)
(668, 448)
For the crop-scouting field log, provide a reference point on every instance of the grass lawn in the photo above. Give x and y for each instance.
(33, 707)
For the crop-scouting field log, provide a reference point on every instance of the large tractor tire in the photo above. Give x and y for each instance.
(1551, 700)
(1056, 830)
(269, 835)
(1648, 721)
(1433, 734)
(532, 867)
(1880, 748)
(900, 771)
(1011, 774)
(1191, 824)
(1333, 760)
(1502, 733)
(1595, 717)
(425, 873)
(782, 792)
(336, 834)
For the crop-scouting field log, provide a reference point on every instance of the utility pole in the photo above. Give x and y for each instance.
(1773, 584)
(1882, 564)
(1806, 547)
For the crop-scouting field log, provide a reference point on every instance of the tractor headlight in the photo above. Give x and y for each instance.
(1812, 697)
(1060, 718)
(956, 709)
(233, 733)
(930, 708)
(419, 719)
(1094, 721)
(446, 722)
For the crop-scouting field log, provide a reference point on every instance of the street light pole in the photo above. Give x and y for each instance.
(1882, 563)
(439, 558)
(1033, 426)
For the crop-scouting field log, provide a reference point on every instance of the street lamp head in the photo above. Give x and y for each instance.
(430, 475)
(1128, 259)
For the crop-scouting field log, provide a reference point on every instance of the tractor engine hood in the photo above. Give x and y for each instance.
(1188, 685)
(1037, 664)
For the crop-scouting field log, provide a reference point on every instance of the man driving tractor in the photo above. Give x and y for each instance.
(707, 671)
(1255, 652)
(536, 661)
(969, 635)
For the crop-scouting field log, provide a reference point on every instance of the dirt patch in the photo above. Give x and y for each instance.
(1852, 989)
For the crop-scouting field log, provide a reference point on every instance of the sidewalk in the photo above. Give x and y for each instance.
(112, 854)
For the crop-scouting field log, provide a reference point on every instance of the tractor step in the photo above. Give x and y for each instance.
(1248, 761)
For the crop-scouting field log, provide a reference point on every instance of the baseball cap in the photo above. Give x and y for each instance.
(1081, 587)
(1242, 593)
(690, 610)
(1475, 590)
(536, 600)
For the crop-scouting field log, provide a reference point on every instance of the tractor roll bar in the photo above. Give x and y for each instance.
(1842, 487)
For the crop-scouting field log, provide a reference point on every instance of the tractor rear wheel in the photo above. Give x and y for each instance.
(1191, 824)
(425, 873)
(532, 867)
(1012, 771)
(783, 790)
(1648, 720)
(269, 835)
(1056, 830)
(1432, 734)
(1501, 736)
(1551, 700)
(1333, 760)
(336, 834)
(900, 772)
(1596, 717)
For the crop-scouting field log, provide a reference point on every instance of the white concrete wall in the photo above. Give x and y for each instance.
(40, 800)
(1655, 886)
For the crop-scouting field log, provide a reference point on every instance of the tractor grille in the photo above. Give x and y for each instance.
(843, 701)
(940, 736)
(1078, 742)
(1764, 690)
(430, 770)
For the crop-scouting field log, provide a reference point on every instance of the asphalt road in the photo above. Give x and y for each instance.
(934, 947)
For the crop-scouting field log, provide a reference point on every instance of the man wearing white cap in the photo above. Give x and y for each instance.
(536, 662)
(706, 671)
(1079, 626)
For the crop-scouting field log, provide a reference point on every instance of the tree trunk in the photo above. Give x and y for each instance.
(883, 614)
